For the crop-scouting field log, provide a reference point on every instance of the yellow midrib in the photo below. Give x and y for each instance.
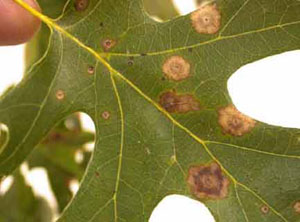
(52, 24)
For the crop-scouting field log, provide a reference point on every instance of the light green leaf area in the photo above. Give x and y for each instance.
(143, 152)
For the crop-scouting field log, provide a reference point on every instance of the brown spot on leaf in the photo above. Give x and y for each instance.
(81, 5)
(208, 182)
(107, 44)
(297, 207)
(91, 70)
(234, 122)
(264, 209)
(105, 115)
(174, 103)
(176, 68)
(207, 19)
(60, 94)
(131, 61)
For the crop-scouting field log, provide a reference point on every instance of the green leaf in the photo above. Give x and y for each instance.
(159, 134)
(57, 155)
(20, 204)
(162, 9)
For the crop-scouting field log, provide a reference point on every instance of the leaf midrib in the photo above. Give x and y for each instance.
(113, 71)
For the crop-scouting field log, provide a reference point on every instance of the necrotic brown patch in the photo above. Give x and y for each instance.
(207, 19)
(81, 5)
(174, 103)
(107, 44)
(208, 182)
(234, 122)
(297, 207)
(176, 68)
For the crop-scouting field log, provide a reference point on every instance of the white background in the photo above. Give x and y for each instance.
(267, 90)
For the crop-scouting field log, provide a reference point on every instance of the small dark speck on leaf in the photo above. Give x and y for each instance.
(130, 61)
(91, 69)
(264, 209)
(60, 94)
(105, 115)
(107, 44)
(81, 5)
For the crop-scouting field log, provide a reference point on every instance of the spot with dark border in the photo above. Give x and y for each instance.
(176, 68)
(264, 209)
(207, 19)
(105, 115)
(91, 70)
(60, 94)
(107, 44)
(233, 122)
(130, 61)
(208, 182)
(81, 5)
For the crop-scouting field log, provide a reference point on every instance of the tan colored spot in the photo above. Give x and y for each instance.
(176, 68)
(174, 103)
(81, 5)
(60, 95)
(91, 70)
(264, 209)
(107, 44)
(105, 115)
(297, 207)
(234, 122)
(208, 182)
(207, 19)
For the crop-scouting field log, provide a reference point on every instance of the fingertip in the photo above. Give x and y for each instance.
(16, 24)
